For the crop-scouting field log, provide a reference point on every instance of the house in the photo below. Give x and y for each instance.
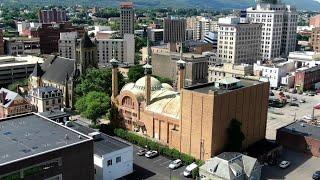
(11, 104)
(229, 166)
(46, 98)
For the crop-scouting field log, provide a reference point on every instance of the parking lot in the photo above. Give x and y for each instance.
(154, 169)
(279, 117)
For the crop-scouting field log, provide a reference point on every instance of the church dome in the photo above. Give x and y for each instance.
(155, 84)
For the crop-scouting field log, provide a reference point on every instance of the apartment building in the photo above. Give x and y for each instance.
(279, 21)
(52, 15)
(67, 44)
(126, 18)
(121, 49)
(239, 40)
(22, 46)
(174, 30)
(46, 99)
(201, 26)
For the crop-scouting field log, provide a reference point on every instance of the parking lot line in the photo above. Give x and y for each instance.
(165, 162)
(157, 160)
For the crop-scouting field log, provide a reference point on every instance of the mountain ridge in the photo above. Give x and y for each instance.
(205, 4)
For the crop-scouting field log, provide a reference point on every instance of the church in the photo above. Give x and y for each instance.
(61, 73)
(194, 119)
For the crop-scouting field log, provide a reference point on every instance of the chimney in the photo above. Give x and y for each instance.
(115, 85)
(147, 72)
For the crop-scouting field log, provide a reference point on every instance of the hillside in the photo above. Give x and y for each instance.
(207, 4)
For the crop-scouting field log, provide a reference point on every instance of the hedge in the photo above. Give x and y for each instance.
(162, 149)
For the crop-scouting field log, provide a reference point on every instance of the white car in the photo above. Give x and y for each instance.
(188, 171)
(175, 164)
(151, 154)
(307, 117)
(284, 164)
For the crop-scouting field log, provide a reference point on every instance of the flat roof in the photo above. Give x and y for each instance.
(8, 61)
(105, 145)
(207, 88)
(29, 135)
(302, 128)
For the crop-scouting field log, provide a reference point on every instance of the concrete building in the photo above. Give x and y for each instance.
(174, 30)
(279, 27)
(212, 38)
(306, 78)
(67, 44)
(201, 26)
(193, 120)
(26, 28)
(315, 39)
(274, 71)
(127, 17)
(46, 99)
(52, 16)
(1, 43)
(300, 136)
(220, 71)
(17, 68)
(196, 70)
(112, 158)
(22, 46)
(239, 41)
(155, 35)
(121, 49)
(230, 166)
(12, 104)
(46, 150)
(314, 21)
(304, 58)
(49, 35)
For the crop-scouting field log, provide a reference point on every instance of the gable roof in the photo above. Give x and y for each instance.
(59, 69)
(37, 71)
(10, 96)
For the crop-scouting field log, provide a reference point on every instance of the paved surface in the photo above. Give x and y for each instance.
(153, 169)
(279, 117)
(302, 167)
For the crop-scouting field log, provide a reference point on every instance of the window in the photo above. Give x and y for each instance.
(109, 162)
(118, 159)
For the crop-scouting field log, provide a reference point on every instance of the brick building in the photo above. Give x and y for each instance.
(49, 35)
(1, 43)
(52, 15)
(305, 77)
(315, 39)
(193, 120)
(301, 137)
(45, 150)
(315, 21)
(12, 104)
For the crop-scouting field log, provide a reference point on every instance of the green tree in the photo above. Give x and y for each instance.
(99, 80)
(235, 136)
(93, 105)
(165, 80)
(140, 43)
(135, 72)
(13, 86)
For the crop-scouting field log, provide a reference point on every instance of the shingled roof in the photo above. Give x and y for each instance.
(58, 70)
(37, 71)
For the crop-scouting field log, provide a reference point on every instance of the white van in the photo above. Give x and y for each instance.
(188, 171)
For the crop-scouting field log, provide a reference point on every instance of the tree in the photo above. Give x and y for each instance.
(235, 136)
(99, 80)
(93, 105)
(14, 86)
(140, 43)
(165, 80)
(135, 72)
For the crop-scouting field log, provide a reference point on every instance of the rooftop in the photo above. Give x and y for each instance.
(7, 61)
(103, 146)
(211, 87)
(28, 135)
(303, 129)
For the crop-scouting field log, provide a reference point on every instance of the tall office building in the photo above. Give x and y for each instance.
(126, 18)
(279, 27)
(1, 43)
(67, 44)
(52, 15)
(239, 40)
(174, 30)
(201, 26)
(120, 49)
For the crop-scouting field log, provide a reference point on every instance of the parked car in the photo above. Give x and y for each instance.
(294, 104)
(294, 99)
(307, 117)
(188, 171)
(175, 164)
(151, 154)
(69, 124)
(302, 101)
(316, 175)
(284, 164)
(141, 152)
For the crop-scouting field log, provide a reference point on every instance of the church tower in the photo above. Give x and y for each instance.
(86, 54)
(35, 78)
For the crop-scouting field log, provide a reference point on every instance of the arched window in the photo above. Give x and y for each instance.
(127, 102)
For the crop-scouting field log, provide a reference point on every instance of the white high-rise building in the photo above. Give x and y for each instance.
(201, 26)
(279, 27)
(121, 49)
(239, 41)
